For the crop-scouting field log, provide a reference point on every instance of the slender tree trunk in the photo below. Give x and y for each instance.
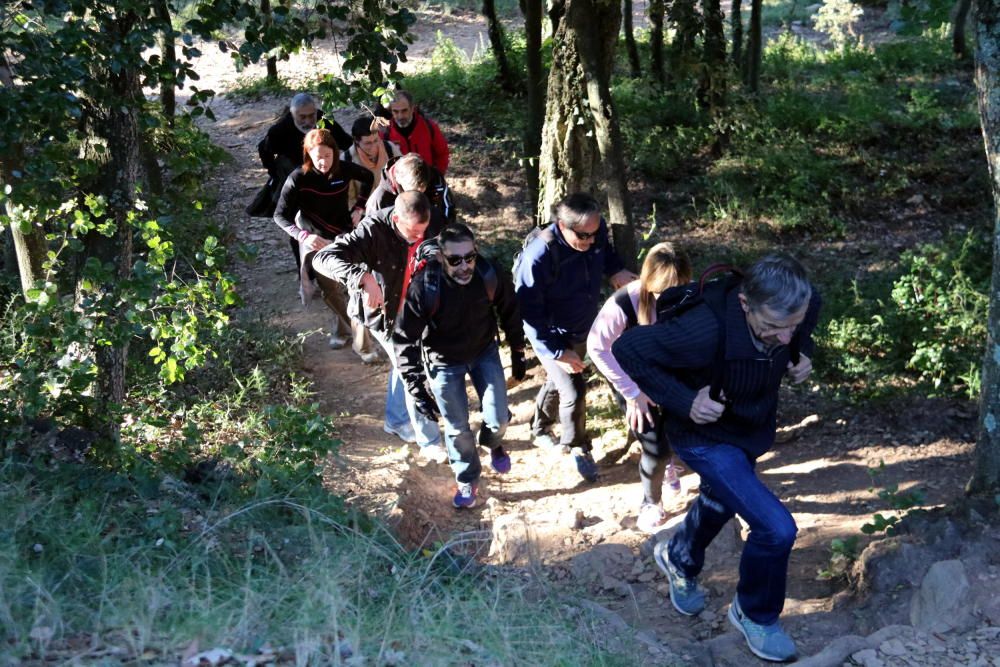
(715, 68)
(29, 244)
(557, 9)
(168, 51)
(495, 31)
(986, 472)
(657, 10)
(736, 25)
(581, 132)
(635, 66)
(533, 12)
(961, 12)
(751, 63)
(271, 63)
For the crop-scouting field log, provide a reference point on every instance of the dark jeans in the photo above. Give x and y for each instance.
(730, 486)
(563, 398)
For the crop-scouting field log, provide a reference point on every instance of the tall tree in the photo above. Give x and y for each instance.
(715, 65)
(497, 42)
(961, 17)
(168, 51)
(736, 27)
(657, 13)
(582, 132)
(635, 67)
(271, 64)
(986, 473)
(533, 12)
(751, 59)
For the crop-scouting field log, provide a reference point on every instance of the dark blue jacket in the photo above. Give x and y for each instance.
(671, 360)
(558, 289)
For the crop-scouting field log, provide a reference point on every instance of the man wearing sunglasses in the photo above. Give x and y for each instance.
(446, 331)
(558, 279)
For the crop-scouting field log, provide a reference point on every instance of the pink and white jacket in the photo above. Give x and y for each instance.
(611, 323)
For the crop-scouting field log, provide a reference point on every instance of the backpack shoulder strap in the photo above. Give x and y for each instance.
(432, 289)
(624, 301)
(489, 276)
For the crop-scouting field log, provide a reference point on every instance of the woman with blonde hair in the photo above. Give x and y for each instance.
(633, 305)
(314, 209)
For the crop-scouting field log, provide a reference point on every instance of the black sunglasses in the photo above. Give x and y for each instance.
(584, 236)
(455, 260)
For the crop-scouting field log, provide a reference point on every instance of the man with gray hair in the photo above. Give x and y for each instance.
(280, 150)
(765, 330)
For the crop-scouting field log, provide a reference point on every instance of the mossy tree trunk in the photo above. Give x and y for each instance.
(581, 141)
(986, 473)
(533, 11)
(635, 67)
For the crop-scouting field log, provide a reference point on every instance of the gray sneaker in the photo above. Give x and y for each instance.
(769, 642)
(685, 594)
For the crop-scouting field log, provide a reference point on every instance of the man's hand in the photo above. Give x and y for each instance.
(316, 242)
(425, 404)
(518, 365)
(623, 277)
(637, 413)
(704, 410)
(570, 362)
(799, 372)
(373, 293)
(379, 123)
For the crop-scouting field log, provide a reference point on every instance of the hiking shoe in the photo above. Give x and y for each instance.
(584, 464)
(465, 495)
(546, 440)
(685, 594)
(651, 518)
(369, 358)
(499, 460)
(337, 342)
(404, 432)
(672, 481)
(434, 454)
(769, 642)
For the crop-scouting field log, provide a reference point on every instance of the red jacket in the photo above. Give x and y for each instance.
(425, 139)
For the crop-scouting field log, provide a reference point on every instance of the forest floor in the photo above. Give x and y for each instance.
(586, 542)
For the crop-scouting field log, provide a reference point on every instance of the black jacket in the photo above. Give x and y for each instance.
(322, 200)
(671, 360)
(463, 325)
(284, 139)
(376, 247)
(443, 210)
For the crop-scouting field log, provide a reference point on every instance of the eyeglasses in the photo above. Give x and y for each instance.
(584, 236)
(455, 260)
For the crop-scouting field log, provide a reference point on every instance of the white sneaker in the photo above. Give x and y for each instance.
(651, 518)
(337, 342)
(369, 358)
(434, 454)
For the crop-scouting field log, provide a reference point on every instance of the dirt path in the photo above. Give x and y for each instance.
(586, 531)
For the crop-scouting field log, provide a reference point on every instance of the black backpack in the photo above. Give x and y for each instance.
(712, 291)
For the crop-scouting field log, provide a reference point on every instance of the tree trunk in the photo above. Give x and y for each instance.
(986, 472)
(736, 24)
(635, 66)
(557, 9)
(751, 63)
(715, 67)
(657, 9)
(168, 51)
(29, 245)
(271, 63)
(958, 28)
(581, 124)
(495, 31)
(533, 12)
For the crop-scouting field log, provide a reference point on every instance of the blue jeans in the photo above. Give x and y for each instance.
(448, 385)
(729, 486)
(399, 407)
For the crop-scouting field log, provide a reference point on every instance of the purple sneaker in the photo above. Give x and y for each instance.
(465, 496)
(499, 460)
